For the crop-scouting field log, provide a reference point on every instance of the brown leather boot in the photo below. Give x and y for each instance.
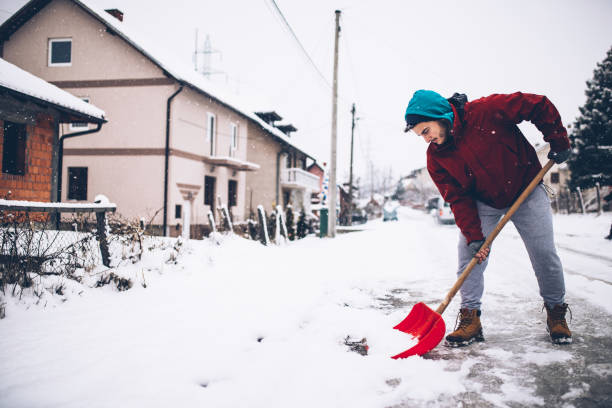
(556, 324)
(468, 330)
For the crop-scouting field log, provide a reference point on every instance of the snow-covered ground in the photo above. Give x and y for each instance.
(236, 324)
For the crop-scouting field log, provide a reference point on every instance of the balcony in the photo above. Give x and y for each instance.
(299, 179)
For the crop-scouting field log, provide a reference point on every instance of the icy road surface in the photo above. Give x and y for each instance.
(236, 324)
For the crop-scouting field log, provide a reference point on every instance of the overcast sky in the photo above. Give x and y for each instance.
(388, 50)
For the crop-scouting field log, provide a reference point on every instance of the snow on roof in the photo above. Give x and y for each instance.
(18, 80)
(182, 73)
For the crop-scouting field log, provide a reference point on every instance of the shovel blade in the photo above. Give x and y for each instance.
(425, 325)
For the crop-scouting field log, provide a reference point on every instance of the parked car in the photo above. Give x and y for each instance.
(432, 203)
(390, 211)
(441, 211)
(359, 216)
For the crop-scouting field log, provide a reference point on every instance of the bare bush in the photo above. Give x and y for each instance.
(128, 236)
(30, 246)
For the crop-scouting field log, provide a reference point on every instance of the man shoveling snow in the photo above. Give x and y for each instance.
(481, 162)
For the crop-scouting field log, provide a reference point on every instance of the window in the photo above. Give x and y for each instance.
(14, 148)
(80, 125)
(178, 210)
(554, 178)
(60, 52)
(77, 183)
(210, 133)
(234, 139)
(209, 190)
(232, 193)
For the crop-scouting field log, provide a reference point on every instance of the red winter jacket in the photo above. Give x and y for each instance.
(487, 157)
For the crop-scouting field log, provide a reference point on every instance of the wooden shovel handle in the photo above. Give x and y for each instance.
(466, 272)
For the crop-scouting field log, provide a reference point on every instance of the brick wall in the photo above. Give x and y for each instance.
(35, 184)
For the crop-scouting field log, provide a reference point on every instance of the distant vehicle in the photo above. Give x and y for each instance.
(359, 216)
(441, 211)
(390, 211)
(432, 203)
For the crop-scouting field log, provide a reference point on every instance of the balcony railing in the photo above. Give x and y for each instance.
(298, 178)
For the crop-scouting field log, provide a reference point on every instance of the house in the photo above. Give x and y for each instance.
(558, 176)
(177, 144)
(31, 111)
(564, 200)
(416, 188)
(557, 181)
(282, 178)
(319, 172)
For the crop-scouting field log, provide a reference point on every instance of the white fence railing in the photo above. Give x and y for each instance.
(298, 178)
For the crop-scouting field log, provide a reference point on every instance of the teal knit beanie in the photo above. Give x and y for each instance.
(425, 106)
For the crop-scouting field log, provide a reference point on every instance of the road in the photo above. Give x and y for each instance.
(517, 365)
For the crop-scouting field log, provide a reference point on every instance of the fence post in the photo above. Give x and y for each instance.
(227, 221)
(581, 200)
(598, 188)
(101, 233)
(277, 229)
(263, 229)
(211, 220)
(283, 225)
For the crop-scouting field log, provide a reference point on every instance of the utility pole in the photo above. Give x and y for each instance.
(350, 215)
(333, 188)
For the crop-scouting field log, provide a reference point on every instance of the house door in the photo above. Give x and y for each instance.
(209, 192)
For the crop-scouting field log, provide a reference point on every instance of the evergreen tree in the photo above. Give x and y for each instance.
(591, 135)
(301, 225)
(290, 223)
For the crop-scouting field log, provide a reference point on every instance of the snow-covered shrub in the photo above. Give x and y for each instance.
(252, 229)
(127, 237)
(31, 247)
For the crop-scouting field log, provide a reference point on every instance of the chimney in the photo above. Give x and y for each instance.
(118, 14)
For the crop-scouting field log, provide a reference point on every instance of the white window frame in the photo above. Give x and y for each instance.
(59, 64)
(211, 131)
(80, 125)
(233, 139)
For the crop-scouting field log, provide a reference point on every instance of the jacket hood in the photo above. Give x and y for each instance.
(457, 103)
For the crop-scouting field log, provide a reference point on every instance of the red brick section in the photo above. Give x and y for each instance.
(35, 184)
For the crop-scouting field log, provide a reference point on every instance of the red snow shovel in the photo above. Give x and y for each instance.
(427, 325)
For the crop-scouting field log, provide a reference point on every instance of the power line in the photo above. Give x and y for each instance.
(297, 40)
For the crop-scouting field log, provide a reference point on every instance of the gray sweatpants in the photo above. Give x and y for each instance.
(533, 220)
